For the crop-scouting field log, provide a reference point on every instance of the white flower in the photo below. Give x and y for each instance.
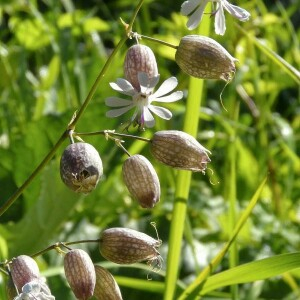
(35, 290)
(142, 100)
(195, 8)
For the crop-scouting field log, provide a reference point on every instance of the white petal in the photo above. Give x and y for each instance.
(118, 112)
(148, 118)
(220, 26)
(143, 81)
(166, 87)
(170, 98)
(123, 86)
(161, 112)
(188, 6)
(236, 11)
(196, 16)
(153, 81)
(117, 102)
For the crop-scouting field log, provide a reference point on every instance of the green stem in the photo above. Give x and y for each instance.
(138, 7)
(96, 83)
(158, 41)
(63, 244)
(110, 132)
(183, 181)
(20, 190)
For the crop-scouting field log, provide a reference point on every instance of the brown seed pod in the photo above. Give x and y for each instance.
(106, 286)
(23, 270)
(80, 273)
(81, 167)
(203, 57)
(141, 180)
(128, 246)
(179, 150)
(139, 58)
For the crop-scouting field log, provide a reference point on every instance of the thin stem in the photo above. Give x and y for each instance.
(20, 190)
(158, 41)
(96, 83)
(111, 132)
(63, 244)
(138, 7)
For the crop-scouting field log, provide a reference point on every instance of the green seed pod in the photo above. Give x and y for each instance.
(80, 273)
(106, 286)
(179, 150)
(128, 246)
(202, 57)
(81, 167)
(141, 180)
(139, 58)
(23, 270)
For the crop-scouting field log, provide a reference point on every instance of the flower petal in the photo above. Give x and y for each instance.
(236, 11)
(118, 112)
(196, 16)
(166, 87)
(170, 98)
(220, 26)
(188, 6)
(147, 84)
(123, 86)
(161, 112)
(148, 118)
(117, 102)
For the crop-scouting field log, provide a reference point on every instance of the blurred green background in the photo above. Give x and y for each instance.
(50, 54)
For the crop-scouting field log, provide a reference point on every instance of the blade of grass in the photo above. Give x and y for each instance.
(183, 181)
(253, 271)
(193, 290)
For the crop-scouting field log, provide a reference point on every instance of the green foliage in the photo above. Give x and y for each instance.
(51, 52)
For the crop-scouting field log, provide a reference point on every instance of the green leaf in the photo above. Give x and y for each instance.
(257, 270)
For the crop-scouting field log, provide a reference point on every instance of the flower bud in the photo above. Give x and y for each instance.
(141, 180)
(106, 287)
(81, 167)
(139, 58)
(23, 270)
(128, 246)
(179, 150)
(80, 273)
(203, 57)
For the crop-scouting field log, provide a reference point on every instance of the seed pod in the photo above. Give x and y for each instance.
(80, 273)
(106, 286)
(141, 180)
(128, 246)
(23, 270)
(203, 57)
(139, 58)
(81, 167)
(179, 150)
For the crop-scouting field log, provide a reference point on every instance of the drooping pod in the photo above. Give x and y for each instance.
(141, 180)
(139, 58)
(203, 57)
(23, 269)
(80, 273)
(179, 150)
(128, 246)
(81, 167)
(106, 286)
